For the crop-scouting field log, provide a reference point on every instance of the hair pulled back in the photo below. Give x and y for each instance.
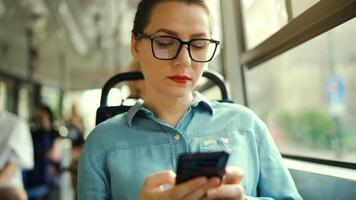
(145, 7)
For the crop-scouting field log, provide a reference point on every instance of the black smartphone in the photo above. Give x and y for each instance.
(208, 164)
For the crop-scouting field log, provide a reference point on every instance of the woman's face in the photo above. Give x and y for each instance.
(173, 78)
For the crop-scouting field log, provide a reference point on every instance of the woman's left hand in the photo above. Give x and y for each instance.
(230, 187)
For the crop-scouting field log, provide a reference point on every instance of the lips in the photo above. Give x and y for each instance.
(180, 79)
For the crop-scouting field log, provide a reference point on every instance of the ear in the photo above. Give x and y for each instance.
(134, 48)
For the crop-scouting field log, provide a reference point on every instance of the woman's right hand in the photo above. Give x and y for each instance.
(153, 187)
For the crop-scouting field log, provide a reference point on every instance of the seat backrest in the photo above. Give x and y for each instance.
(105, 112)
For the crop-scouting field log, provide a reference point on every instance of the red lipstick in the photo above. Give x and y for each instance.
(180, 79)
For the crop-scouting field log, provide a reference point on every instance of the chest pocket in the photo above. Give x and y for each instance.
(214, 144)
(210, 141)
(216, 141)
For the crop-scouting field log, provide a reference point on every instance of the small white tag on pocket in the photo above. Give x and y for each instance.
(209, 142)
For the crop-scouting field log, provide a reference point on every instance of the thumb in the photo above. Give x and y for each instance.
(233, 175)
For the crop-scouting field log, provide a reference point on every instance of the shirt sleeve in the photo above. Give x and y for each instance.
(275, 180)
(20, 143)
(92, 181)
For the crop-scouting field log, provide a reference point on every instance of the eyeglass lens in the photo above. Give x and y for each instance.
(168, 48)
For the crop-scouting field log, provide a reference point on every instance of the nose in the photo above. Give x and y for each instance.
(183, 58)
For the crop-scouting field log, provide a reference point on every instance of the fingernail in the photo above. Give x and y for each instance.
(218, 180)
(212, 192)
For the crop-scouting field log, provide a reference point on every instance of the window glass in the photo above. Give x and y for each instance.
(261, 19)
(51, 97)
(3, 96)
(264, 18)
(299, 6)
(7, 100)
(307, 96)
(24, 102)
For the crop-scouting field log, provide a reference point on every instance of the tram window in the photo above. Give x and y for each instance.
(7, 92)
(298, 6)
(3, 96)
(264, 18)
(51, 97)
(307, 96)
(24, 102)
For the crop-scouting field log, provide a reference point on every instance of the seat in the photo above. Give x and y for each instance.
(105, 112)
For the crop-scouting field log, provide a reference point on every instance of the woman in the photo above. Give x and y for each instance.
(133, 155)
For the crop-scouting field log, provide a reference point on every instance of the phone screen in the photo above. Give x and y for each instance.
(208, 164)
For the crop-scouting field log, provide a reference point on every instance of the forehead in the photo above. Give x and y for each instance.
(183, 18)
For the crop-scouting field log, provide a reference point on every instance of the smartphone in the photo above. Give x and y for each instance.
(208, 164)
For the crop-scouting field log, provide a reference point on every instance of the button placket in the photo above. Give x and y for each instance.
(180, 141)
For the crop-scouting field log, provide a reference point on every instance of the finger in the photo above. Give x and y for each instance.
(200, 193)
(160, 178)
(213, 182)
(197, 194)
(234, 191)
(233, 175)
(183, 189)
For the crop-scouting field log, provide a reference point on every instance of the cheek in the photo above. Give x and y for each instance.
(198, 71)
(145, 52)
(152, 73)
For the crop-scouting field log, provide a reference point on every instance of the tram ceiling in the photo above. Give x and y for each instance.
(73, 44)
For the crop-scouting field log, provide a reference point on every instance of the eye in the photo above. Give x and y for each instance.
(199, 44)
(164, 42)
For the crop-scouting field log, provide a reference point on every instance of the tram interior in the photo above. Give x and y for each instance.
(61, 52)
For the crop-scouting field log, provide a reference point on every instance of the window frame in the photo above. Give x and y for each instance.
(319, 18)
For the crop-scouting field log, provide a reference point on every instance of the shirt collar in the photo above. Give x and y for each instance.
(199, 102)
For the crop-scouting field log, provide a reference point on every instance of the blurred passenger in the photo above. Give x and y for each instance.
(16, 154)
(77, 146)
(137, 87)
(75, 122)
(44, 178)
(12, 193)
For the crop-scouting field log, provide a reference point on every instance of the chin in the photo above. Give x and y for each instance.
(179, 93)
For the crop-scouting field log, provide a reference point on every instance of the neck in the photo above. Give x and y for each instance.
(169, 109)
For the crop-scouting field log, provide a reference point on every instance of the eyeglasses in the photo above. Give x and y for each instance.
(168, 47)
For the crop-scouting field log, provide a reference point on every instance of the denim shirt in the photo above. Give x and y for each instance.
(122, 151)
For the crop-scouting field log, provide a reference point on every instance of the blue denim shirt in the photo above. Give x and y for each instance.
(122, 151)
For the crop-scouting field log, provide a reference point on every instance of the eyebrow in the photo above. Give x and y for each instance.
(170, 32)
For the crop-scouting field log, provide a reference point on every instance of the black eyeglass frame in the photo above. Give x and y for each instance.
(139, 36)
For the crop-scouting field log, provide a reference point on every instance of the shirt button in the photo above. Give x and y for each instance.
(177, 137)
(225, 141)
